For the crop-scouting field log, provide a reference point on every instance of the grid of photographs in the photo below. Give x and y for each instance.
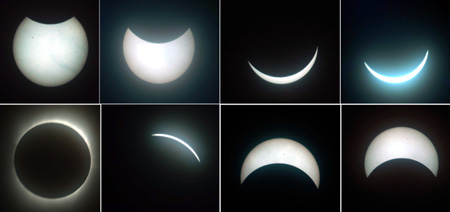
(236, 105)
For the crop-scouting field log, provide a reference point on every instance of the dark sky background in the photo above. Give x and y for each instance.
(146, 173)
(17, 118)
(160, 21)
(14, 87)
(400, 184)
(279, 38)
(393, 37)
(280, 187)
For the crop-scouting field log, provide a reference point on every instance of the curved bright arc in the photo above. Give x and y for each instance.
(180, 141)
(286, 79)
(401, 143)
(281, 151)
(65, 123)
(399, 79)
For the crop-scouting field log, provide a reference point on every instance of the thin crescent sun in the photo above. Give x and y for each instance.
(286, 79)
(180, 141)
(399, 79)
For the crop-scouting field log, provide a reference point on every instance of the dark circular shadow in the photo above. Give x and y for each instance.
(52, 160)
(270, 187)
(401, 177)
(280, 179)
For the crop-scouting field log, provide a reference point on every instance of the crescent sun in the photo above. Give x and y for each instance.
(401, 143)
(50, 54)
(399, 79)
(158, 63)
(286, 79)
(281, 151)
(180, 141)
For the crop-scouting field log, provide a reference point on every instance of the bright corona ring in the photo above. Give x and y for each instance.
(281, 151)
(158, 63)
(50, 54)
(40, 154)
(399, 79)
(401, 143)
(80, 121)
(49, 202)
(286, 79)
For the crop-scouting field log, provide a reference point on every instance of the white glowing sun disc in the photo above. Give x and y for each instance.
(281, 151)
(399, 79)
(50, 54)
(401, 143)
(287, 79)
(180, 141)
(158, 63)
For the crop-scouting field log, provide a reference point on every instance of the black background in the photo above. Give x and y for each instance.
(280, 187)
(13, 120)
(146, 173)
(392, 37)
(279, 38)
(160, 21)
(14, 87)
(401, 184)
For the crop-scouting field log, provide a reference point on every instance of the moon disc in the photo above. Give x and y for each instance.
(280, 178)
(52, 160)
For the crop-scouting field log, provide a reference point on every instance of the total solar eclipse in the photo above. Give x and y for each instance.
(52, 160)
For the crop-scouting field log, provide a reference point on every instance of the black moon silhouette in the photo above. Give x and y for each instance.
(52, 160)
